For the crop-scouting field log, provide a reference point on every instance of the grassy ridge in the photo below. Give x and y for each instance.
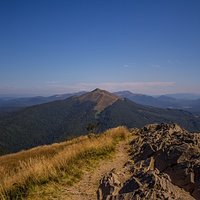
(24, 172)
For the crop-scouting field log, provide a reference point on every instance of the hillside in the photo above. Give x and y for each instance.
(95, 111)
(158, 161)
(41, 172)
(130, 114)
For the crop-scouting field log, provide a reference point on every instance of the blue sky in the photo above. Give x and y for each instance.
(61, 46)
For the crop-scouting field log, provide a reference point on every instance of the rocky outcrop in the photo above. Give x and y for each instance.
(109, 185)
(166, 165)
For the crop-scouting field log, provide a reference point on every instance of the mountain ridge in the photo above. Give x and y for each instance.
(101, 98)
(163, 101)
(64, 119)
(189, 103)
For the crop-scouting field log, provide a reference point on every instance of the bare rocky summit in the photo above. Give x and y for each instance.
(165, 164)
(101, 98)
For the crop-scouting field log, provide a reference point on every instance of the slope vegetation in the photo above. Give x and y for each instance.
(160, 161)
(42, 170)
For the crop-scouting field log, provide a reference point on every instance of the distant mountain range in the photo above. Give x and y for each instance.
(186, 96)
(164, 101)
(188, 102)
(14, 104)
(90, 112)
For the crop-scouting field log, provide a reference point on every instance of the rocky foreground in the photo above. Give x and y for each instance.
(165, 164)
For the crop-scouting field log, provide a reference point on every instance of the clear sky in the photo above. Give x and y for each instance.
(61, 46)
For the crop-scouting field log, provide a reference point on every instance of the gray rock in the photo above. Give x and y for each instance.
(166, 165)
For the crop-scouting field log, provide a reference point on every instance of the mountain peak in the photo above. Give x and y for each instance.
(102, 98)
(97, 90)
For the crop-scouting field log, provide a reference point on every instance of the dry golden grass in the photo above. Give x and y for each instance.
(11, 161)
(41, 165)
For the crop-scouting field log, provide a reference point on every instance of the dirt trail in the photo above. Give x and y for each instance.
(86, 188)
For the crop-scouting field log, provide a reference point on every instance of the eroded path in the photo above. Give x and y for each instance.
(86, 188)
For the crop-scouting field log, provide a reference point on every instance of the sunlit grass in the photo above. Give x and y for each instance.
(23, 172)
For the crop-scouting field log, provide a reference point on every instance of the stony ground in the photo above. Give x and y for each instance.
(166, 165)
(162, 161)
